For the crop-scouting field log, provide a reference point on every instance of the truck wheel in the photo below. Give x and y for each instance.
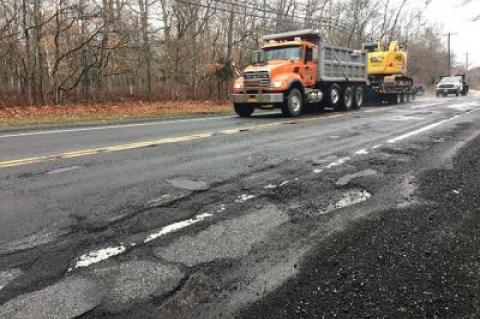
(398, 99)
(334, 96)
(243, 110)
(404, 98)
(293, 105)
(347, 99)
(358, 97)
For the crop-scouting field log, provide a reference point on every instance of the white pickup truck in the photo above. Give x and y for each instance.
(455, 84)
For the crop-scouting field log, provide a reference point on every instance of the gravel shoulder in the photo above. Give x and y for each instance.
(417, 261)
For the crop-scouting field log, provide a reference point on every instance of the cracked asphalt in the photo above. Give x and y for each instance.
(361, 214)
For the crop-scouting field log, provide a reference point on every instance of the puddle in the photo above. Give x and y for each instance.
(349, 198)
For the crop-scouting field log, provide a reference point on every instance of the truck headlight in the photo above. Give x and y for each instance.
(276, 84)
(238, 85)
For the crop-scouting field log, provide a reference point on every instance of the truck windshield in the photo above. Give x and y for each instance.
(450, 79)
(285, 53)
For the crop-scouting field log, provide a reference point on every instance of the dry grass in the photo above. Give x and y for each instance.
(71, 113)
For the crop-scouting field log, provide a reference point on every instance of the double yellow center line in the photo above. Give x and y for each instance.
(162, 141)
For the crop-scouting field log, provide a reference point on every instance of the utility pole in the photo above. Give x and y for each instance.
(449, 55)
(466, 68)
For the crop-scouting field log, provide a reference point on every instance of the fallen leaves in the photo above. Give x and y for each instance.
(98, 111)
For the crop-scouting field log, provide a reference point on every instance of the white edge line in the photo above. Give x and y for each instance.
(421, 130)
(109, 127)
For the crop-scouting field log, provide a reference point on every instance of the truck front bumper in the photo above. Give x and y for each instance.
(448, 91)
(262, 98)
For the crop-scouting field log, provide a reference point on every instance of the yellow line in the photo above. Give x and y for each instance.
(168, 140)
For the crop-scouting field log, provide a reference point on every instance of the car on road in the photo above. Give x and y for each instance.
(456, 84)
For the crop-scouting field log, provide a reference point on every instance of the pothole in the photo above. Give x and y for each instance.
(349, 198)
(346, 179)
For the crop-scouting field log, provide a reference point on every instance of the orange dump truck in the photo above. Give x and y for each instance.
(298, 68)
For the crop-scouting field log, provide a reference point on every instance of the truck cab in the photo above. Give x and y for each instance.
(278, 67)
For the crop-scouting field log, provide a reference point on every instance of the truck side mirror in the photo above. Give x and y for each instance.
(257, 57)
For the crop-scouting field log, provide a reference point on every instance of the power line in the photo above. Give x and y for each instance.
(340, 26)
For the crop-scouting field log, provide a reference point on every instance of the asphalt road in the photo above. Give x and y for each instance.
(199, 218)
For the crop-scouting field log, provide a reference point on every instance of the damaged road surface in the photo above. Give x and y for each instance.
(355, 214)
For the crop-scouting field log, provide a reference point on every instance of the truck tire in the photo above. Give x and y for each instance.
(334, 96)
(359, 97)
(347, 99)
(243, 110)
(293, 105)
(398, 99)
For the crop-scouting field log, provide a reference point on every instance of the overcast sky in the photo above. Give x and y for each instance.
(457, 17)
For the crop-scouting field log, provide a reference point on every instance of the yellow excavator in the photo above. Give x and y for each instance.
(387, 73)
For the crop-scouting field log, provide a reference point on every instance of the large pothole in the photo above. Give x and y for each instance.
(349, 198)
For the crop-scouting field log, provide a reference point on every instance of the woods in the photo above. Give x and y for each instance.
(57, 51)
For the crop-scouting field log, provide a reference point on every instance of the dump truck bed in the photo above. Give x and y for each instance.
(341, 64)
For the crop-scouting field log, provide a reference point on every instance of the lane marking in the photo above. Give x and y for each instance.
(176, 227)
(423, 129)
(109, 149)
(167, 140)
(96, 256)
(109, 127)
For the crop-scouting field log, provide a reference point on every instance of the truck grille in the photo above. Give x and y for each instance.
(260, 79)
(446, 86)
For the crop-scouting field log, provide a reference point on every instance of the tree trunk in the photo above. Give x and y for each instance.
(147, 77)
(28, 63)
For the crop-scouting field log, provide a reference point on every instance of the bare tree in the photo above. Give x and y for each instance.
(53, 51)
